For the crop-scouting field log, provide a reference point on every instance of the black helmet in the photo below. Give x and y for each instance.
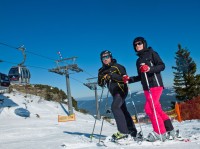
(140, 39)
(105, 52)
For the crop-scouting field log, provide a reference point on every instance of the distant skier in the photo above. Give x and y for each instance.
(149, 62)
(111, 73)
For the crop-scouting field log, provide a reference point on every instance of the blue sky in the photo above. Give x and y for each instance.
(84, 28)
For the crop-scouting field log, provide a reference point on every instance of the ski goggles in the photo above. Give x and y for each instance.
(105, 57)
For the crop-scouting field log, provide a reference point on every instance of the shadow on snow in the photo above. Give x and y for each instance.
(84, 134)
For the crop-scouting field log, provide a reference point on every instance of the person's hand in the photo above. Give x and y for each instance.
(144, 68)
(126, 79)
(106, 77)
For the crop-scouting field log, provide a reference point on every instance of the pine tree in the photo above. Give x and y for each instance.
(186, 83)
(198, 83)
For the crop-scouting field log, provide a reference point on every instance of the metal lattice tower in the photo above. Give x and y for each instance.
(92, 85)
(64, 70)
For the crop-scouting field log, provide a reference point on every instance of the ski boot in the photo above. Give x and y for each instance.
(171, 135)
(139, 137)
(118, 136)
(153, 136)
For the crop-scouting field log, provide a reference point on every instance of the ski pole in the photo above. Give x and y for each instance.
(107, 111)
(91, 136)
(137, 117)
(101, 130)
(135, 110)
(155, 75)
(106, 106)
(154, 110)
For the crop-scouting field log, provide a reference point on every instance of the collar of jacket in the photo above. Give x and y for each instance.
(141, 52)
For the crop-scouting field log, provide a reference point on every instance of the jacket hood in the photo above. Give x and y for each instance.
(139, 39)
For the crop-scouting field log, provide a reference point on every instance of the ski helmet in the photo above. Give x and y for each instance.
(140, 39)
(105, 52)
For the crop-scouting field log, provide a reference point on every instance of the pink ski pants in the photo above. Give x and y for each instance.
(161, 115)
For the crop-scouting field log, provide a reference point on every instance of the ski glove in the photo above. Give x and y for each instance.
(144, 68)
(126, 79)
(106, 77)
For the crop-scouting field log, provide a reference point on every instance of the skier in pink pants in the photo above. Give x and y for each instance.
(149, 65)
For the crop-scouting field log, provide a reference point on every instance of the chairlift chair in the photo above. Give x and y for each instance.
(19, 75)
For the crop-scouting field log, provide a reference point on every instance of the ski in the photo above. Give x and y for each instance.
(183, 139)
(177, 137)
(105, 141)
(101, 143)
(106, 144)
(121, 142)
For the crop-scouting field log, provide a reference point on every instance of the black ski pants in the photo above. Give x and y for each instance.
(122, 116)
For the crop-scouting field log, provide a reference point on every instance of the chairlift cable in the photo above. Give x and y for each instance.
(41, 55)
(7, 45)
(26, 65)
(36, 55)
(38, 67)
(88, 73)
(27, 51)
(77, 80)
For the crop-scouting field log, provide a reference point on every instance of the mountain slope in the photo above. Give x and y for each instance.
(45, 132)
(138, 98)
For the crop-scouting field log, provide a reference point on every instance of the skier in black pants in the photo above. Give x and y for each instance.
(111, 73)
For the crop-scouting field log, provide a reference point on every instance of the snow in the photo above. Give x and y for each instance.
(140, 92)
(43, 131)
(171, 94)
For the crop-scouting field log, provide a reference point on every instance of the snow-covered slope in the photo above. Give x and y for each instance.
(43, 131)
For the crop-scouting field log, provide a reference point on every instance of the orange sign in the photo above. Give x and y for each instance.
(65, 118)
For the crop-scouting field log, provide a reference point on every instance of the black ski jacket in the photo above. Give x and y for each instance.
(153, 60)
(115, 83)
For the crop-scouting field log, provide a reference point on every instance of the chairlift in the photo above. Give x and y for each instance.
(4, 80)
(20, 74)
